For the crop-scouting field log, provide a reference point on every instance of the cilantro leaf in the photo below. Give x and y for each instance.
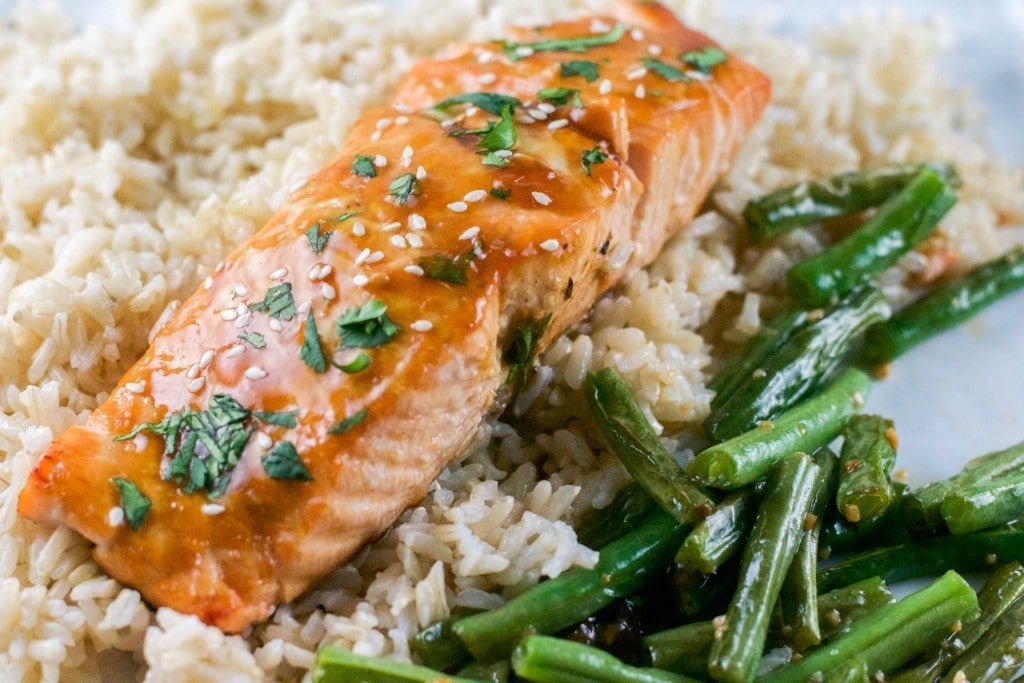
(490, 102)
(349, 422)
(318, 240)
(134, 503)
(561, 96)
(666, 71)
(278, 302)
(363, 166)
(367, 326)
(403, 187)
(496, 160)
(579, 44)
(311, 353)
(447, 268)
(501, 192)
(522, 346)
(580, 67)
(283, 462)
(704, 59)
(500, 135)
(253, 339)
(593, 156)
(281, 418)
(357, 364)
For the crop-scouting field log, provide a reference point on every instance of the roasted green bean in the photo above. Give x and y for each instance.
(865, 489)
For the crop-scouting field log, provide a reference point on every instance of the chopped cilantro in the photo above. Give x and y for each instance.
(490, 102)
(281, 418)
(134, 503)
(578, 44)
(349, 422)
(447, 268)
(367, 326)
(500, 135)
(363, 166)
(278, 302)
(666, 71)
(519, 352)
(357, 364)
(593, 156)
(703, 59)
(283, 462)
(311, 353)
(580, 67)
(403, 187)
(496, 160)
(561, 96)
(253, 339)
(317, 239)
(501, 192)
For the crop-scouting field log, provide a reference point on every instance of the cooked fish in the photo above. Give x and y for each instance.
(326, 372)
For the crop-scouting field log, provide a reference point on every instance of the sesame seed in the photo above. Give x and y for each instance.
(417, 222)
(413, 269)
(263, 440)
(375, 136)
(208, 283)
(654, 49)
(457, 207)
(193, 371)
(421, 173)
(392, 226)
(524, 119)
(407, 156)
(541, 198)
(235, 351)
(640, 91)
(402, 120)
(243, 320)
(358, 229)
(360, 280)
(422, 325)
(558, 123)
(635, 74)
(470, 233)
(524, 51)
(471, 111)
(212, 508)
(197, 384)
(315, 273)
(279, 274)
(135, 387)
(537, 113)
(326, 270)
(241, 290)
(474, 195)
(383, 123)
(605, 87)
(485, 57)
(375, 257)
(404, 108)
(255, 372)
(304, 306)
(487, 79)
(398, 242)
(503, 153)
(549, 245)
(328, 291)
(241, 309)
(380, 161)
(546, 107)
(363, 255)
(275, 324)
(229, 314)
(115, 516)
(636, 34)
(414, 240)
(598, 26)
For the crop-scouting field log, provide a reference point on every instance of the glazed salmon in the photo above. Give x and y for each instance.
(321, 378)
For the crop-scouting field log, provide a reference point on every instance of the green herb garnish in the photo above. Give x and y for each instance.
(363, 166)
(281, 418)
(311, 353)
(283, 462)
(490, 102)
(403, 187)
(133, 502)
(357, 364)
(502, 134)
(367, 326)
(496, 160)
(703, 59)
(561, 96)
(518, 354)
(253, 339)
(593, 156)
(278, 302)
(349, 422)
(318, 240)
(448, 268)
(501, 192)
(580, 67)
(666, 71)
(578, 44)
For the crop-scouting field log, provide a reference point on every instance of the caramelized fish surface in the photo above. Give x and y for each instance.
(322, 377)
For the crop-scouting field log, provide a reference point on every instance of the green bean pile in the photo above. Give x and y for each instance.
(779, 549)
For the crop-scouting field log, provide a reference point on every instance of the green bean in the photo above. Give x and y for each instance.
(769, 339)
(914, 559)
(999, 654)
(815, 200)
(902, 222)
(773, 543)
(337, 665)
(865, 489)
(551, 660)
(718, 536)
(1003, 587)
(839, 535)
(984, 505)
(854, 671)
(798, 367)
(947, 305)
(631, 438)
(699, 595)
(625, 565)
(603, 526)
(923, 509)
(894, 634)
(438, 646)
(798, 600)
(805, 427)
(495, 672)
(841, 608)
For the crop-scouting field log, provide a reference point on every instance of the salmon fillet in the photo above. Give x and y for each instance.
(321, 378)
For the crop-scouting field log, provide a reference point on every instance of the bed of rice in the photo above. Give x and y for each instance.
(131, 161)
